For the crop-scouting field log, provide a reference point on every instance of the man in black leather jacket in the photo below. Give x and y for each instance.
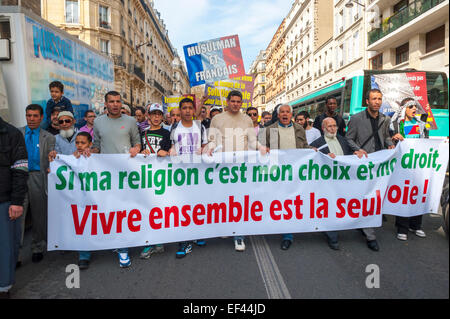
(13, 186)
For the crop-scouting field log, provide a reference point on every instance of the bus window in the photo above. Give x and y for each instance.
(437, 91)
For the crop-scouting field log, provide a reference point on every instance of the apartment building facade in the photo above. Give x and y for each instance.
(133, 34)
(308, 34)
(410, 34)
(276, 70)
(258, 71)
(349, 37)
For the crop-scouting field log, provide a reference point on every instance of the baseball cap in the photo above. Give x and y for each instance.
(155, 107)
(216, 108)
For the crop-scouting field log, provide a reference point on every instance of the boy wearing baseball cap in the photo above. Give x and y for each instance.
(155, 140)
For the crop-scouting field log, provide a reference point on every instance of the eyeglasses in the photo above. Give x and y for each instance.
(65, 121)
(252, 114)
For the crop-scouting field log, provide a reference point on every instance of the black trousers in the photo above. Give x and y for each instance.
(404, 223)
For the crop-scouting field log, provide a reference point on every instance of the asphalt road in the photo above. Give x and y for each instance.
(418, 268)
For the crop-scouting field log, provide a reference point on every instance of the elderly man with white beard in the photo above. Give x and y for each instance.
(65, 140)
(333, 144)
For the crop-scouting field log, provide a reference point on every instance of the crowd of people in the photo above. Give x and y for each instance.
(26, 153)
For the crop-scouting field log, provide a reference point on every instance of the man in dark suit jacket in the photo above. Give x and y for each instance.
(39, 144)
(333, 144)
(369, 130)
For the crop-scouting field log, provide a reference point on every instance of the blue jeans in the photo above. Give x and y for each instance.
(239, 237)
(289, 237)
(10, 236)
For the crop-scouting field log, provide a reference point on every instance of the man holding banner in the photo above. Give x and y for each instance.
(285, 135)
(368, 130)
(233, 131)
(188, 138)
(115, 133)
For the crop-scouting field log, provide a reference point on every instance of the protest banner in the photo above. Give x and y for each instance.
(173, 101)
(114, 201)
(217, 91)
(214, 60)
(398, 86)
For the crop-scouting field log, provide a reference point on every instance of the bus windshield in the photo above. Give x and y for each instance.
(436, 85)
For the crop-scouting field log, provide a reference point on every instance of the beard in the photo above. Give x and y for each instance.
(67, 133)
(329, 135)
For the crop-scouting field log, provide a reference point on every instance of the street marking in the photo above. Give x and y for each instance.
(273, 281)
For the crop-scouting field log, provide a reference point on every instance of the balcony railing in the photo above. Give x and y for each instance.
(118, 60)
(158, 86)
(409, 13)
(138, 71)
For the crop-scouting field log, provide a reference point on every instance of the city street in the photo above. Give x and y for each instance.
(418, 268)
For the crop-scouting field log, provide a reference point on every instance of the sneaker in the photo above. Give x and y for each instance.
(402, 237)
(183, 250)
(239, 245)
(418, 232)
(200, 242)
(150, 250)
(124, 260)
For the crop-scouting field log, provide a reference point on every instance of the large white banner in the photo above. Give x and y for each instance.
(114, 201)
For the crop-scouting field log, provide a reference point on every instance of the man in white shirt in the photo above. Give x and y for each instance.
(188, 137)
(312, 133)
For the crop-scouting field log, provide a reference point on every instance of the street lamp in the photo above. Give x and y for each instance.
(349, 4)
(142, 44)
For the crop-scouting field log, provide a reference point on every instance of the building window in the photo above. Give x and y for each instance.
(5, 30)
(400, 6)
(435, 39)
(104, 17)
(104, 46)
(72, 11)
(402, 53)
(376, 63)
(356, 45)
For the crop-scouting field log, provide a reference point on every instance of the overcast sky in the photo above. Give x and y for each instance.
(255, 21)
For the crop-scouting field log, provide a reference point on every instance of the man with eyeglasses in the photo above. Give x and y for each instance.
(65, 140)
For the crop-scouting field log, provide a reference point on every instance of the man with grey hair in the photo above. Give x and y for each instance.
(333, 144)
(285, 134)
